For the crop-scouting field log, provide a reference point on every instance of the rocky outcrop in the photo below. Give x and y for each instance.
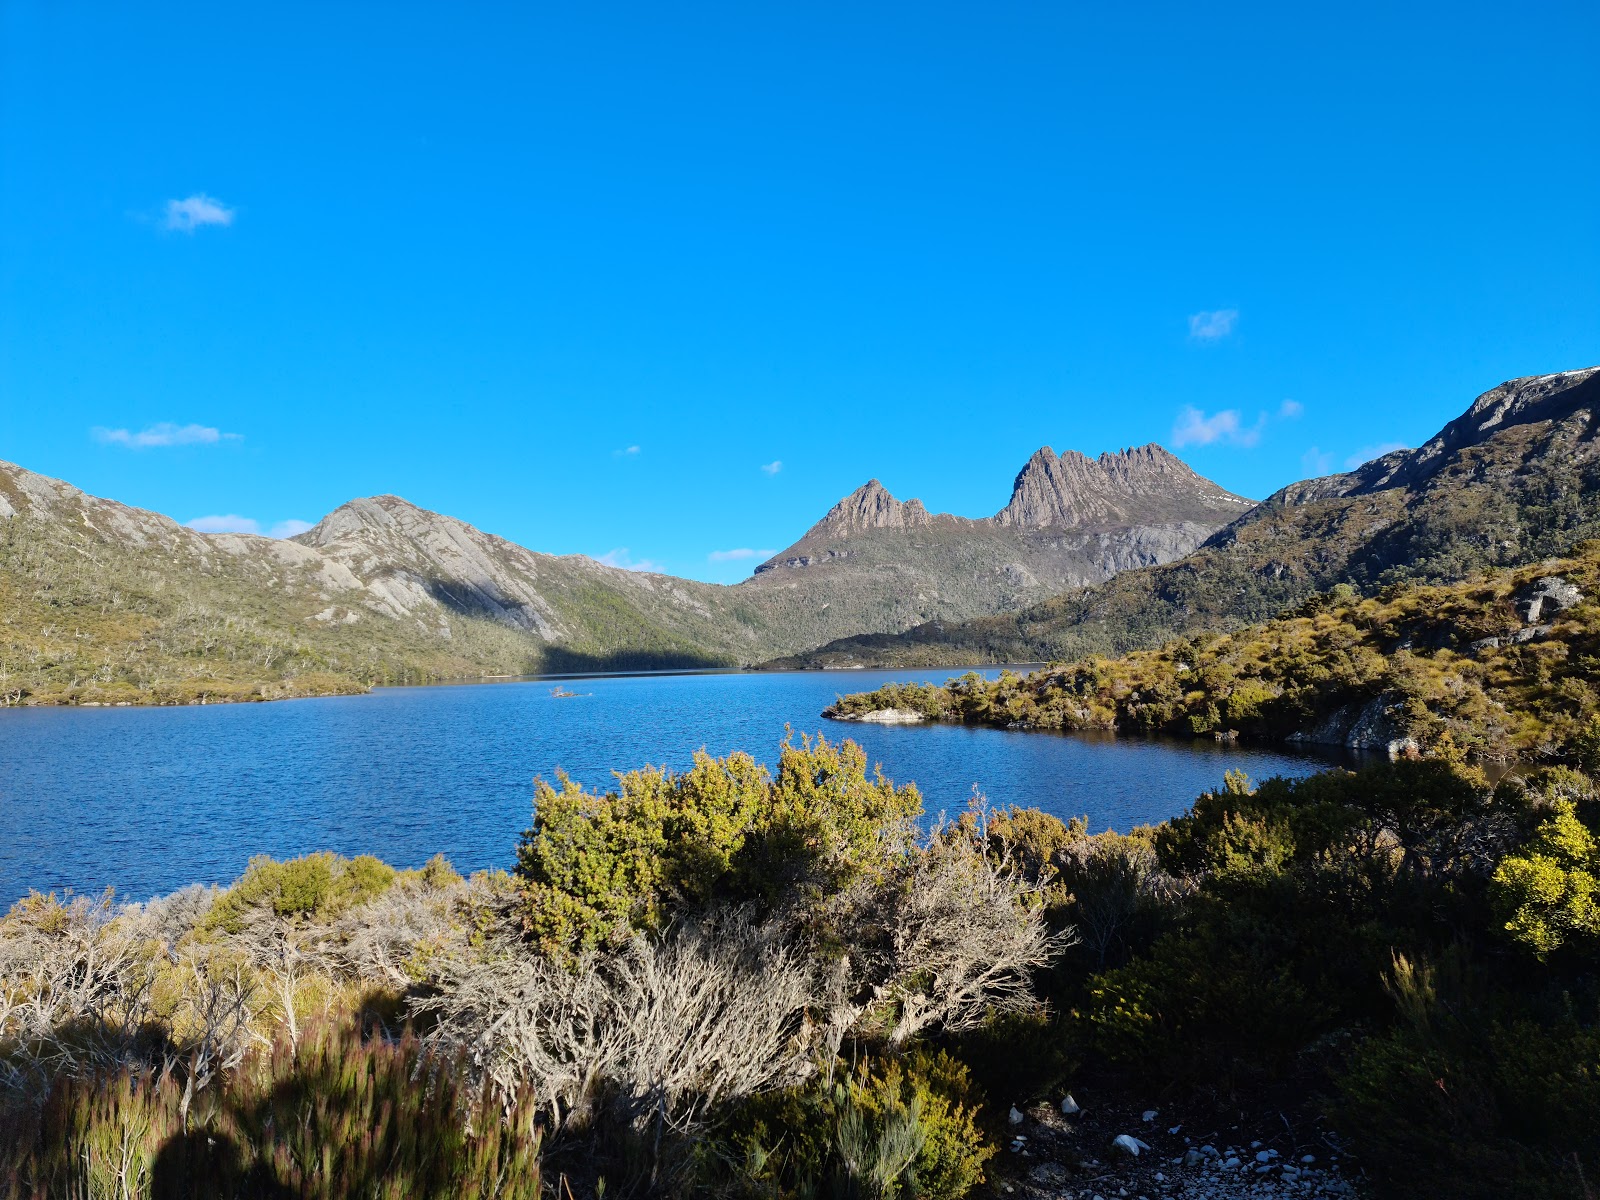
(887, 716)
(1072, 521)
(1544, 598)
(871, 506)
(1526, 401)
(1143, 486)
(1377, 725)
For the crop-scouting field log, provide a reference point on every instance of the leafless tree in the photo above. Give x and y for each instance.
(75, 986)
(383, 941)
(952, 937)
(662, 1029)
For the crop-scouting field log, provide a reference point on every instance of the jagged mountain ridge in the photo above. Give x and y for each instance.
(1071, 521)
(383, 590)
(1514, 478)
(1147, 485)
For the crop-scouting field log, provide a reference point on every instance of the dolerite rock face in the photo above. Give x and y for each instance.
(871, 506)
(1142, 486)
(1545, 597)
(1526, 401)
(1072, 521)
(1378, 724)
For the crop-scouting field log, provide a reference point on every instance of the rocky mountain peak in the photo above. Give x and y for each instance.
(871, 506)
(1145, 484)
(1525, 401)
(369, 514)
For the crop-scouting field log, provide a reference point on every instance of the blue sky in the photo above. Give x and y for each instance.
(662, 282)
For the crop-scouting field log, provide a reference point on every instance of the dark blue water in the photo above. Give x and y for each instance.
(148, 799)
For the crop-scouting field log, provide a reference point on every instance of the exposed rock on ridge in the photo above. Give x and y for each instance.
(1144, 485)
(871, 506)
(1513, 479)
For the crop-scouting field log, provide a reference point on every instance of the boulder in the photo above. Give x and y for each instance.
(890, 716)
(1375, 725)
(1544, 598)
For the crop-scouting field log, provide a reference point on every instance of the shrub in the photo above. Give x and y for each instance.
(1221, 1003)
(1548, 891)
(595, 869)
(336, 1117)
(1121, 898)
(1457, 1101)
(891, 1127)
(316, 887)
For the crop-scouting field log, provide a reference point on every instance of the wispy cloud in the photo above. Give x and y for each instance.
(773, 467)
(164, 433)
(1367, 453)
(190, 213)
(621, 559)
(1290, 409)
(1194, 428)
(1213, 326)
(234, 523)
(742, 552)
(1315, 462)
(625, 452)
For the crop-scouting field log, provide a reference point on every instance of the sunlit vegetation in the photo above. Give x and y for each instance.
(94, 622)
(743, 981)
(1529, 492)
(1454, 668)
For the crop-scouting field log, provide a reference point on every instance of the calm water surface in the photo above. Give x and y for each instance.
(149, 799)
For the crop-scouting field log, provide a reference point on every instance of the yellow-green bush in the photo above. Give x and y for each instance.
(317, 886)
(595, 868)
(1549, 889)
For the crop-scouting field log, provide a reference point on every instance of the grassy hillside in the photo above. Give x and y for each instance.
(96, 622)
(1457, 666)
(106, 604)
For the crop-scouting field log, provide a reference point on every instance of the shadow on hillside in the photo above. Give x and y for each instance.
(558, 660)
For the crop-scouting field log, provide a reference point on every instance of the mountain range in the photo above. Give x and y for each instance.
(103, 603)
(1514, 479)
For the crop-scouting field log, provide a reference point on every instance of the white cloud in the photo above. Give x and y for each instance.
(773, 467)
(625, 452)
(1290, 409)
(234, 523)
(741, 553)
(1194, 428)
(1210, 326)
(165, 433)
(190, 213)
(1367, 453)
(225, 523)
(621, 559)
(1315, 462)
